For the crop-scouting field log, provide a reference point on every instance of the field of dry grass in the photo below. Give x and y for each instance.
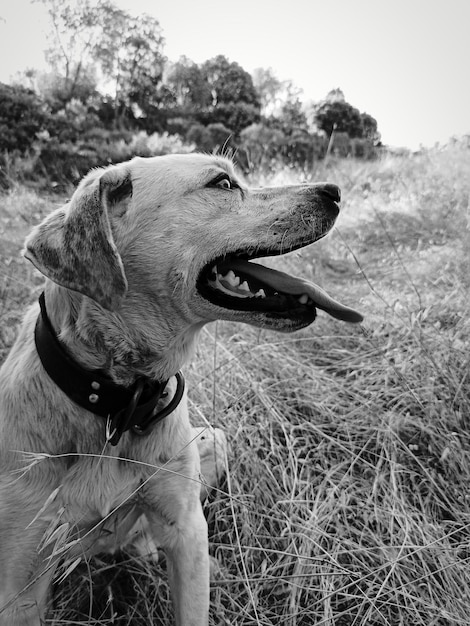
(347, 501)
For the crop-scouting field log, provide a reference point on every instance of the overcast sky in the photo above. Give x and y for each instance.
(405, 62)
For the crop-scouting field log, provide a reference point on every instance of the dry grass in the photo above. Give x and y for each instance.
(347, 499)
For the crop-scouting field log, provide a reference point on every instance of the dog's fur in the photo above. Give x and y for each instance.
(122, 261)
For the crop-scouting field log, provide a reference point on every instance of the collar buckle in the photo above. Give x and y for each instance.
(121, 420)
(151, 419)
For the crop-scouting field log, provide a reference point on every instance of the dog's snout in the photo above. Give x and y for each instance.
(330, 191)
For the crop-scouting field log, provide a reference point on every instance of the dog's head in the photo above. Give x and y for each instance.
(176, 236)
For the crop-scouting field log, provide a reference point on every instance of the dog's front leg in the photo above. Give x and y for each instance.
(186, 549)
(188, 573)
(24, 578)
(25, 569)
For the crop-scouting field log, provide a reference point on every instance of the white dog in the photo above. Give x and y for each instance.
(143, 256)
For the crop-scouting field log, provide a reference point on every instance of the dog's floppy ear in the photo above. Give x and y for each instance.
(74, 246)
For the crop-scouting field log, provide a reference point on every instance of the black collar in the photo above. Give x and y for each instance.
(125, 408)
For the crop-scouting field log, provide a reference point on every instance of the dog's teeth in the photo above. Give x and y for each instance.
(216, 284)
(260, 294)
(244, 286)
(231, 279)
(303, 298)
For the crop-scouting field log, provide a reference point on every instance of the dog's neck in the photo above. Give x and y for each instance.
(114, 343)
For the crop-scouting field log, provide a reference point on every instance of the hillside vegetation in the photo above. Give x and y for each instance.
(347, 498)
(110, 92)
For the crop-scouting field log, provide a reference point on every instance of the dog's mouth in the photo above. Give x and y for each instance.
(234, 282)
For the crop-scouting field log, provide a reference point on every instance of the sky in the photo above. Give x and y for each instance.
(405, 62)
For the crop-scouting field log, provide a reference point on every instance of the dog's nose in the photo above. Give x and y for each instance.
(330, 191)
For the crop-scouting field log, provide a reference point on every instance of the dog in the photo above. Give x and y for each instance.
(95, 440)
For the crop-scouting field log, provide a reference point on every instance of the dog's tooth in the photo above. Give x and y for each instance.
(229, 292)
(303, 298)
(244, 286)
(260, 294)
(231, 279)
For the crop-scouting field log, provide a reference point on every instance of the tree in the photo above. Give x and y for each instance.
(268, 87)
(128, 51)
(131, 54)
(54, 90)
(76, 32)
(291, 118)
(334, 113)
(216, 92)
(335, 95)
(229, 82)
(186, 80)
(339, 116)
(22, 117)
(369, 128)
(234, 101)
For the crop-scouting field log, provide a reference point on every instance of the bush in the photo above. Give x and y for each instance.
(22, 116)
(156, 144)
(199, 135)
(260, 144)
(209, 138)
(62, 162)
(221, 136)
(344, 146)
(266, 146)
(235, 116)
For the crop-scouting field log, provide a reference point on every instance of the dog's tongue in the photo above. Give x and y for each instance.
(280, 281)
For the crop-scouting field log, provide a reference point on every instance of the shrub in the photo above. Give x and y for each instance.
(209, 138)
(22, 116)
(266, 146)
(235, 116)
(260, 143)
(67, 161)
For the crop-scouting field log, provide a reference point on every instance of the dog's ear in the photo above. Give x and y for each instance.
(74, 246)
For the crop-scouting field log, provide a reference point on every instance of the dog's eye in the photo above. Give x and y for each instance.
(225, 183)
(222, 181)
